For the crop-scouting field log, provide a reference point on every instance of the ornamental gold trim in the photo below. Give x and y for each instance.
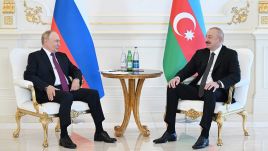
(263, 7)
(264, 20)
(193, 114)
(8, 20)
(33, 15)
(240, 15)
(74, 114)
(8, 7)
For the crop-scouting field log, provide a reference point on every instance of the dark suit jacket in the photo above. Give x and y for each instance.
(39, 71)
(226, 68)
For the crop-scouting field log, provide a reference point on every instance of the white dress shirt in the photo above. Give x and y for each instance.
(57, 78)
(209, 78)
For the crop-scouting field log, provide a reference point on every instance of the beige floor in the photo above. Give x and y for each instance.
(31, 135)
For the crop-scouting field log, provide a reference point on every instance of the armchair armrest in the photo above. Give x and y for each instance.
(23, 83)
(242, 82)
(230, 95)
(28, 85)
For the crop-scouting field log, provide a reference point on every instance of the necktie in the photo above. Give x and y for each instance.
(205, 75)
(63, 81)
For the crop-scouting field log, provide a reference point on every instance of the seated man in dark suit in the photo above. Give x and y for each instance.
(218, 69)
(49, 70)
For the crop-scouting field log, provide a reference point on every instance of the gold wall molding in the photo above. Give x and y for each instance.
(8, 14)
(240, 15)
(264, 20)
(8, 20)
(263, 13)
(8, 7)
(263, 7)
(33, 14)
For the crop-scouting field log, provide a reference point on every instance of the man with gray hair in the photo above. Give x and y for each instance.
(218, 68)
(50, 72)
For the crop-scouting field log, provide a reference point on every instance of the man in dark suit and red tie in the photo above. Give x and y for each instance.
(218, 68)
(49, 70)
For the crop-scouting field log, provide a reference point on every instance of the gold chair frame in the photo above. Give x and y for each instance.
(219, 117)
(44, 118)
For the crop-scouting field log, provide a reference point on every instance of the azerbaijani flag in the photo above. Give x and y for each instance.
(186, 34)
(68, 21)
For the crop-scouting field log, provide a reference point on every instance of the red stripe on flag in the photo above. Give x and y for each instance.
(186, 24)
(63, 48)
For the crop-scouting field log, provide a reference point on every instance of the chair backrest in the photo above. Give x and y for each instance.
(245, 57)
(18, 59)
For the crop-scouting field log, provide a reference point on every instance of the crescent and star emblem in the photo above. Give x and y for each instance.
(189, 34)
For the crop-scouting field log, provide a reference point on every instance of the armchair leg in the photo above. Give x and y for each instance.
(18, 116)
(45, 120)
(57, 128)
(244, 116)
(219, 121)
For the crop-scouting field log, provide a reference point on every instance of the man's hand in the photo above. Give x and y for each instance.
(174, 82)
(75, 85)
(211, 85)
(51, 92)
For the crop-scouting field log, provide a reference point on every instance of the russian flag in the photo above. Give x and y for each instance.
(76, 42)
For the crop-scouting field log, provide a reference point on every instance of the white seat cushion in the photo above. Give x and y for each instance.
(52, 108)
(197, 105)
(79, 106)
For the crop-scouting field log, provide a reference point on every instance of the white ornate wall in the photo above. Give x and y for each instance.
(127, 23)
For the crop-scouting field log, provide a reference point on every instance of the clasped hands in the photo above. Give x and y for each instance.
(176, 80)
(51, 90)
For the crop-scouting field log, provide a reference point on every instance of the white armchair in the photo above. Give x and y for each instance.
(194, 108)
(26, 99)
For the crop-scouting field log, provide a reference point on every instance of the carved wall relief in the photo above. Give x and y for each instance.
(240, 15)
(8, 14)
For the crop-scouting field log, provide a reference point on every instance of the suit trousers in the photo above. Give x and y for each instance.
(190, 92)
(65, 99)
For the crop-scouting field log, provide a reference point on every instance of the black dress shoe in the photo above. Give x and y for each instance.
(103, 136)
(166, 137)
(67, 142)
(201, 142)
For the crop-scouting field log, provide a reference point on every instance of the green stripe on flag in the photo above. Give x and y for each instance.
(174, 59)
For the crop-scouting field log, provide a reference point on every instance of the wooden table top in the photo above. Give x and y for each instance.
(142, 74)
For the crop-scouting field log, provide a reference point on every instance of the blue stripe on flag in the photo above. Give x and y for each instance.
(196, 7)
(78, 39)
